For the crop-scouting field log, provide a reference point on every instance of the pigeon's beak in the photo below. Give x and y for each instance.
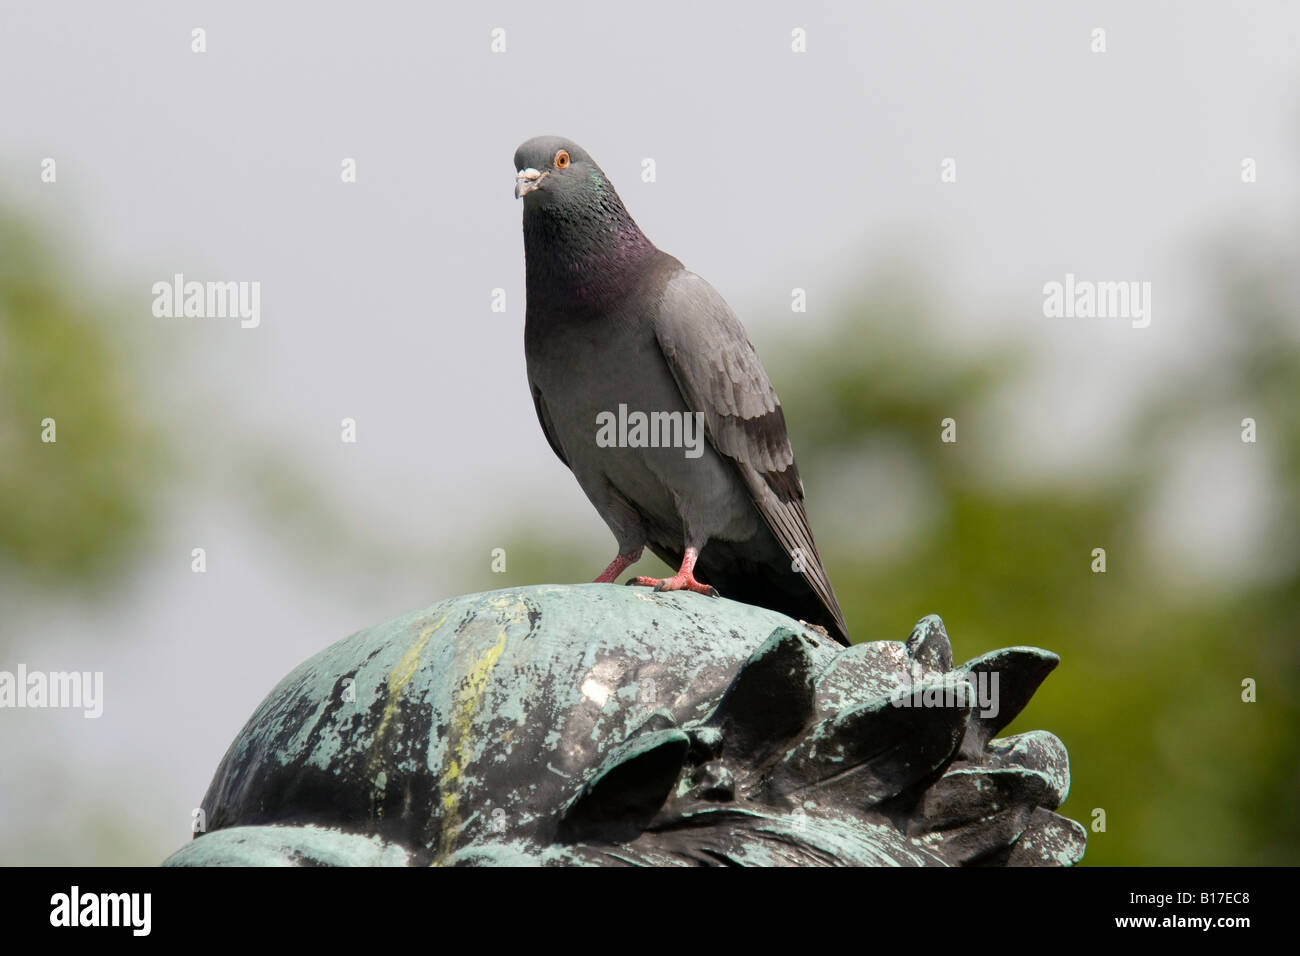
(527, 180)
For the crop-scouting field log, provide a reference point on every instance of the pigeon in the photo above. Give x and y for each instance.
(648, 389)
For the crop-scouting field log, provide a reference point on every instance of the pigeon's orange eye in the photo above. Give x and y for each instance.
(561, 159)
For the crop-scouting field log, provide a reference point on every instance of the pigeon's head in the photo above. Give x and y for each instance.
(554, 170)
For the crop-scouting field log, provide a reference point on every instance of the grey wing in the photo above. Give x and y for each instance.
(719, 374)
(547, 429)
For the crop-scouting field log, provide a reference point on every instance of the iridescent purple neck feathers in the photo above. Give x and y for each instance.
(582, 254)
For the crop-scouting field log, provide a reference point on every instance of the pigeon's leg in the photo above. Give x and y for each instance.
(683, 580)
(616, 567)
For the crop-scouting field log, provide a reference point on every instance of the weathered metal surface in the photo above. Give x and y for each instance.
(599, 724)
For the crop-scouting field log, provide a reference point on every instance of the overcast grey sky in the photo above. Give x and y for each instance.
(774, 170)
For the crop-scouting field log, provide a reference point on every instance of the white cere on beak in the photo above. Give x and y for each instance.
(526, 181)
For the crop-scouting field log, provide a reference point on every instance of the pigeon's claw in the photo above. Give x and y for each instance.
(678, 582)
(683, 580)
(686, 582)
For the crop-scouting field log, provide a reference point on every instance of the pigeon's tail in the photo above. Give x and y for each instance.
(734, 572)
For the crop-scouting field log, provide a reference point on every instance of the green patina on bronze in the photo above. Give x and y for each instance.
(598, 724)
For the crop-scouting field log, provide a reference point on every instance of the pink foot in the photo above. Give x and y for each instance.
(678, 582)
(683, 580)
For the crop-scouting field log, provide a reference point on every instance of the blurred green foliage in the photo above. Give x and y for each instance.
(71, 510)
